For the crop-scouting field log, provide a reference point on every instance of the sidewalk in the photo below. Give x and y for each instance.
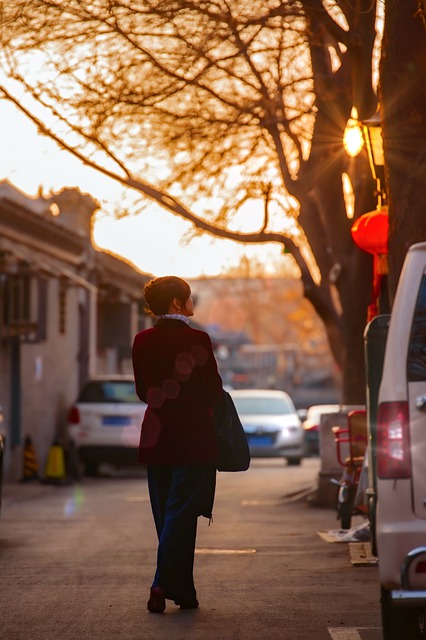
(13, 492)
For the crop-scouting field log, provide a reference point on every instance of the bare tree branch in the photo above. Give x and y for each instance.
(228, 97)
(166, 200)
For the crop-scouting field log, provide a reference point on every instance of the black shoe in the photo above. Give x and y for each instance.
(157, 600)
(188, 604)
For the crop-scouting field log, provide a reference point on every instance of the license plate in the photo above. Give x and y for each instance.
(260, 441)
(116, 421)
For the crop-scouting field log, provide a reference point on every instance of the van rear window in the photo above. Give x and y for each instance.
(416, 365)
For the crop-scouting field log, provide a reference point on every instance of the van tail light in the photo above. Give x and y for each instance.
(74, 415)
(421, 567)
(393, 441)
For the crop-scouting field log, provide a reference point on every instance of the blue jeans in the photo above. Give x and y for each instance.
(179, 494)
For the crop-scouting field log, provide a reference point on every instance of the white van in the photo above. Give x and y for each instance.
(401, 458)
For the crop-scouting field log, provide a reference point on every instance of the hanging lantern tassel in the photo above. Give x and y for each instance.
(380, 270)
(370, 233)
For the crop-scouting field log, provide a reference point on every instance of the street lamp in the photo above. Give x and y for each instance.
(369, 133)
(372, 134)
(370, 231)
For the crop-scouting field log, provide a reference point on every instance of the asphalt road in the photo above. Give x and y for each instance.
(76, 563)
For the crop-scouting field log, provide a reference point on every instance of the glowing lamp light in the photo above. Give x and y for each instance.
(353, 139)
(368, 133)
(370, 231)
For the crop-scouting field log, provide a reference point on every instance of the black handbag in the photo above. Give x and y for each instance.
(234, 452)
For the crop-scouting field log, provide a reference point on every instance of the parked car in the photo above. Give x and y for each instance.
(271, 423)
(104, 424)
(311, 426)
(400, 459)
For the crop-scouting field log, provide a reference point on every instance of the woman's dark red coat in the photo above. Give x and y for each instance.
(176, 375)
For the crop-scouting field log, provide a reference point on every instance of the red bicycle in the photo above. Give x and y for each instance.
(351, 444)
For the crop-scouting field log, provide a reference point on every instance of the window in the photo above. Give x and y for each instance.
(16, 306)
(17, 302)
(62, 306)
(24, 307)
(42, 299)
(109, 391)
(258, 405)
(416, 366)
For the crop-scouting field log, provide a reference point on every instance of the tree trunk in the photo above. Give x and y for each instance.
(345, 269)
(403, 102)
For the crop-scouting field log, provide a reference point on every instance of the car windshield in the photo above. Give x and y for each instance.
(267, 406)
(109, 391)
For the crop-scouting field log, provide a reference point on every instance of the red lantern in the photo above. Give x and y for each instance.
(370, 231)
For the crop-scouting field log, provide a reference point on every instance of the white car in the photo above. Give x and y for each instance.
(271, 423)
(104, 424)
(311, 426)
(401, 458)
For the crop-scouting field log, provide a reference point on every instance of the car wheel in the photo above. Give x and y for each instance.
(401, 622)
(345, 515)
(372, 521)
(74, 464)
(91, 468)
(293, 462)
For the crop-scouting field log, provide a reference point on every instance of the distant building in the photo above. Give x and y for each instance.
(267, 335)
(67, 311)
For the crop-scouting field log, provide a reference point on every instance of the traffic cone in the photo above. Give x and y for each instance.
(30, 466)
(54, 472)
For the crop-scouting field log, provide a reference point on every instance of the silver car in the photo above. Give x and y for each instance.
(312, 424)
(271, 423)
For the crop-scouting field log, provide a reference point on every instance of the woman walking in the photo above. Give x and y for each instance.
(176, 375)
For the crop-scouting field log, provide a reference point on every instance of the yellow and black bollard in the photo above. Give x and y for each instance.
(30, 466)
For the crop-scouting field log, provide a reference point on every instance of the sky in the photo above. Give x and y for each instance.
(154, 240)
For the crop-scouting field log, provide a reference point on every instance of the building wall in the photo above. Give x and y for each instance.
(49, 374)
(4, 386)
(54, 335)
(49, 382)
(117, 325)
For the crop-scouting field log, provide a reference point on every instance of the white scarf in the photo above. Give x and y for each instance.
(175, 316)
